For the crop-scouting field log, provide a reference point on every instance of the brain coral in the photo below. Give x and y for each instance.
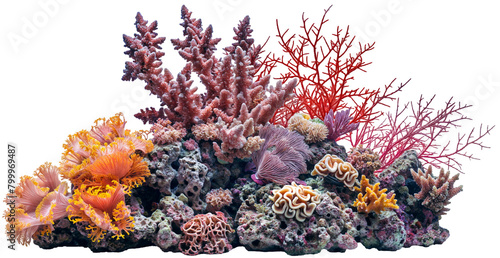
(294, 200)
(333, 165)
(371, 198)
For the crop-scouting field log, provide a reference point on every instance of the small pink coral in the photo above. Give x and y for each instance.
(218, 198)
(190, 145)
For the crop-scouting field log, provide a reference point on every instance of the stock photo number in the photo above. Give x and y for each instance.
(11, 195)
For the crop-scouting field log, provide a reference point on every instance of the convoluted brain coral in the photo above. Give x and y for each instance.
(294, 200)
(333, 165)
(371, 198)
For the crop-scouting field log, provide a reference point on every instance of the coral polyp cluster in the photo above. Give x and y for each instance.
(371, 198)
(247, 162)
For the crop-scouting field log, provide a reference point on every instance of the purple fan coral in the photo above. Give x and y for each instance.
(282, 157)
(339, 124)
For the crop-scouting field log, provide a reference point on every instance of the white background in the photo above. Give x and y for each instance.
(61, 68)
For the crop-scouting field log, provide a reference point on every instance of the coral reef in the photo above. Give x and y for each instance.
(221, 159)
(295, 201)
(343, 171)
(436, 193)
(371, 198)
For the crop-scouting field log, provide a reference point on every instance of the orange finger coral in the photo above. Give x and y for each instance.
(294, 200)
(105, 153)
(333, 165)
(39, 201)
(436, 192)
(103, 208)
(371, 198)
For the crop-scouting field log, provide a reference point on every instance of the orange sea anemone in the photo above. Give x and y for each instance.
(39, 201)
(103, 208)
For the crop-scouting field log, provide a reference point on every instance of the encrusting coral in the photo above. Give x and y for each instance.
(371, 198)
(364, 160)
(294, 200)
(206, 233)
(436, 193)
(333, 165)
(312, 131)
(40, 200)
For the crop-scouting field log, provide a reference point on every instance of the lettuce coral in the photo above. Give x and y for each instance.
(333, 165)
(294, 200)
(371, 198)
(41, 200)
(436, 192)
(103, 208)
(206, 233)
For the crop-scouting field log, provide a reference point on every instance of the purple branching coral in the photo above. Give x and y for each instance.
(339, 124)
(282, 157)
(236, 103)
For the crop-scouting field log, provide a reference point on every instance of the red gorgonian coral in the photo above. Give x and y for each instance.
(419, 126)
(324, 68)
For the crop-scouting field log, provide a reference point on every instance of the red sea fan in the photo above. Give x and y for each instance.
(324, 68)
(420, 130)
(282, 157)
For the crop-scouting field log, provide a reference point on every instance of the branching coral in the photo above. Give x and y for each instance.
(339, 124)
(364, 160)
(333, 165)
(218, 198)
(371, 198)
(206, 233)
(39, 201)
(294, 200)
(436, 192)
(233, 99)
(103, 208)
(324, 68)
(312, 131)
(282, 157)
(418, 126)
(105, 153)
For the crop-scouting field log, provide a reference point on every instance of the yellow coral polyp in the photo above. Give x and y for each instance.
(104, 208)
(371, 198)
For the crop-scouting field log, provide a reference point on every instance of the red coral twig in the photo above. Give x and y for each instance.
(420, 131)
(324, 68)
